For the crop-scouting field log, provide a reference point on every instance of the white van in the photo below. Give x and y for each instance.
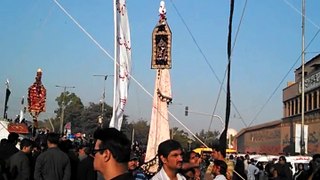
(295, 160)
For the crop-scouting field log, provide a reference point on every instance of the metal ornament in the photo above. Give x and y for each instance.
(161, 42)
(36, 98)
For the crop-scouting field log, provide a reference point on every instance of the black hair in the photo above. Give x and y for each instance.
(116, 142)
(283, 158)
(223, 166)
(53, 138)
(26, 143)
(186, 156)
(216, 146)
(167, 146)
(315, 156)
(13, 137)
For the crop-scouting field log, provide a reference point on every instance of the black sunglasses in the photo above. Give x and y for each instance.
(94, 151)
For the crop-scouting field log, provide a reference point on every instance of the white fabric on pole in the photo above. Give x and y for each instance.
(298, 138)
(22, 110)
(122, 66)
(159, 126)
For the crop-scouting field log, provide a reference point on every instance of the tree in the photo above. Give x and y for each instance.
(52, 124)
(208, 137)
(141, 131)
(73, 108)
(180, 136)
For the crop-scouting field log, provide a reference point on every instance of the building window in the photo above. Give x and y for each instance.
(296, 106)
(315, 100)
(309, 99)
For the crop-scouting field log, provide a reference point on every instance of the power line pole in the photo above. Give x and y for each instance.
(100, 118)
(63, 106)
(302, 143)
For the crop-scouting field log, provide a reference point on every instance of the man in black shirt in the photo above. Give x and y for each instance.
(111, 154)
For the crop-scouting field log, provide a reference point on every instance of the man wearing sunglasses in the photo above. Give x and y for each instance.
(111, 154)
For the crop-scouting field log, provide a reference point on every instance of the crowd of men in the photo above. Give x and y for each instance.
(110, 156)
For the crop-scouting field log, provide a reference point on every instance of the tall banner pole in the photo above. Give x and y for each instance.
(122, 62)
(36, 100)
(8, 92)
(161, 61)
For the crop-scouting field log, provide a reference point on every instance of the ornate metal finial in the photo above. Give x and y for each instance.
(161, 42)
(36, 98)
(7, 83)
(162, 11)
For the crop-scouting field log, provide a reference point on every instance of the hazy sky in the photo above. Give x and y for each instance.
(37, 34)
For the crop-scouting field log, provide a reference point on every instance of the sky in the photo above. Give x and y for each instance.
(38, 34)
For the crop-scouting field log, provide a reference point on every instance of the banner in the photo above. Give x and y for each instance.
(122, 64)
(8, 92)
(298, 138)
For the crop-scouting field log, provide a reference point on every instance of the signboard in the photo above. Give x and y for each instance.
(298, 138)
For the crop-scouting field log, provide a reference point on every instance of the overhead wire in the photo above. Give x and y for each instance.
(293, 65)
(130, 75)
(208, 63)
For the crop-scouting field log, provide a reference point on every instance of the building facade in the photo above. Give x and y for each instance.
(283, 136)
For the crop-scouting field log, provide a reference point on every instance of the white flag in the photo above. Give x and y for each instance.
(122, 65)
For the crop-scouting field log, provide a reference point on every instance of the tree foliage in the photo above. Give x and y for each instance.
(207, 137)
(141, 131)
(182, 137)
(73, 107)
(84, 119)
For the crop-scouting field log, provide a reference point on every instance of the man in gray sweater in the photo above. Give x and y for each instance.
(52, 164)
(19, 163)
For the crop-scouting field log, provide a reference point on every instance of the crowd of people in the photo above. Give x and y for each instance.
(112, 156)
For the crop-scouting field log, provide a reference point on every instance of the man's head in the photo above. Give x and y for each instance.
(26, 146)
(252, 161)
(13, 138)
(133, 162)
(315, 162)
(217, 151)
(83, 149)
(192, 157)
(282, 160)
(170, 154)
(247, 157)
(111, 146)
(219, 167)
(53, 139)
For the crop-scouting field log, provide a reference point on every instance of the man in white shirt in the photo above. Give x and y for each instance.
(170, 161)
(252, 170)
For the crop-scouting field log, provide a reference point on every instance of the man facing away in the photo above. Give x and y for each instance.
(53, 164)
(170, 158)
(111, 154)
(19, 163)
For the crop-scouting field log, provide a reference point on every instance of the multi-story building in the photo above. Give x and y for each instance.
(283, 136)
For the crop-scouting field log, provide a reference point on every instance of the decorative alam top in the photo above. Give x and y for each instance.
(162, 10)
(37, 95)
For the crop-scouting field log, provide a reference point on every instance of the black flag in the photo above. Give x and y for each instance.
(8, 92)
(223, 136)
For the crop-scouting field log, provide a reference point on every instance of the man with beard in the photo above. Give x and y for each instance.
(170, 161)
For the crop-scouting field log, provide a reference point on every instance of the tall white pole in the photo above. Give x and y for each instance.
(302, 143)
